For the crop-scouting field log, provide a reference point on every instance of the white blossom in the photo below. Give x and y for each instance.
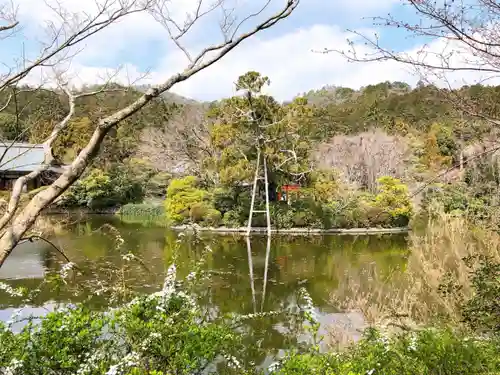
(9, 290)
(65, 269)
(169, 283)
(233, 362)
(413, 343)
(13, 367)
(128, 257)
(273, 367)
(384, 340)
(91, 363)
(131, 359)
(308, 304)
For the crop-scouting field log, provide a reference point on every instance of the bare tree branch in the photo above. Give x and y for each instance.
(78, 34)
(49, 160)
(469, 32)
(9, 27)
(27, 216)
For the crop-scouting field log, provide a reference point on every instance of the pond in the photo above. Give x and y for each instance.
(264, 281)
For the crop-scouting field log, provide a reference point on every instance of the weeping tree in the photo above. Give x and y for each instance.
(64, 38)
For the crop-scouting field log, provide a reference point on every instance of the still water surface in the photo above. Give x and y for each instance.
(265, 281)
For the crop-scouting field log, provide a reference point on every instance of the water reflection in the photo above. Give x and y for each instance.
(249, 274)
(266, 267)
(29, 261)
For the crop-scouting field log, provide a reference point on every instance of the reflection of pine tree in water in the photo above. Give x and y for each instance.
(313, 262)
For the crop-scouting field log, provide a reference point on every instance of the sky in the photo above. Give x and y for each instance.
(287, 53)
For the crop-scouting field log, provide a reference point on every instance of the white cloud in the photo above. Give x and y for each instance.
(287, 59)
(357, 6)
(293, 68)
(36, 15)
(289, 62)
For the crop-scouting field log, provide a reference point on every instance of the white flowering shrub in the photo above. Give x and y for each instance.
(163, 331)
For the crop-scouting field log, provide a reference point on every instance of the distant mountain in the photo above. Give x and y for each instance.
(170, 96)
(336, 95)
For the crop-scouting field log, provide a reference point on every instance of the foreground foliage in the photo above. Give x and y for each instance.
(162, 333)
(166, 333)
(411, 353)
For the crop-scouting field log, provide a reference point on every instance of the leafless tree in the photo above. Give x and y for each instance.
(181, 144)
(363, 158)
(66, 39)
(462, 47)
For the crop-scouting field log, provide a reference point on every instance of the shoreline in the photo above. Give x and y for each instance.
(240, 230)
(317, 231)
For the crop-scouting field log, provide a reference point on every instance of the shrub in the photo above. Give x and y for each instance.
(310, 213)
(101, 189)
(182, 195)
(212, 218)
(224, 199)
(482, 311)
(231, 219)
(458, 198)
(392, 197)
(282, 215)
(324, 187)
(426, 352)
(198, 212)
(446, 141)
(187, 202)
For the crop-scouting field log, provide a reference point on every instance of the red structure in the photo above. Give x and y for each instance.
(285, 189)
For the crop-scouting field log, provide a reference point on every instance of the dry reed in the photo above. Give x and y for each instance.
(430, 288)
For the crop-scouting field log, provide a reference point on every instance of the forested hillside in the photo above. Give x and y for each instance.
(337, 142)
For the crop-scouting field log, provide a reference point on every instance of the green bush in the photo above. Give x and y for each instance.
(212, 218)
(198, 212)
(310, 213)
(101, 189)
(186, 202)
(392, 198)
(282, 215)
(446, 141)
(205, 214)
(482, 311)
(231, 219)
(426, 352)
(225, 199)
(458, 198)
(182, 195)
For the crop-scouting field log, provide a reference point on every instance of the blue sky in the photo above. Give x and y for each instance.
(139, 44)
